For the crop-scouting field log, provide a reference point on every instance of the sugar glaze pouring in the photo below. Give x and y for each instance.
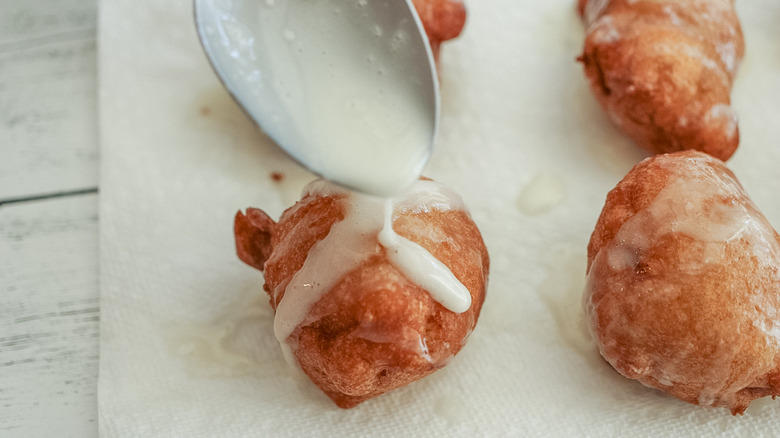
(348, 88)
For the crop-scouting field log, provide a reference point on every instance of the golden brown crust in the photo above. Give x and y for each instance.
(375, 330)
(695, 311)
(253, 232)
(299, 228)
(581, 6)
(663, 70)
(634, 193)
(442, 19)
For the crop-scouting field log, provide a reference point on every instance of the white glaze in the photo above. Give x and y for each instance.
(541, 194)
(406, 338)
(604, 31)
(367, 224)
(593, 10)
(687, 205)
(728, 54)
(348, 88)
(697, 52)
(214, 350)
(725, 116)
(673, 17)
(419, 266)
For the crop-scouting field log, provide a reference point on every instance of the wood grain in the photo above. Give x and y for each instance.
(48, 317)
(23, 23)
(48, 118)
(49, 309)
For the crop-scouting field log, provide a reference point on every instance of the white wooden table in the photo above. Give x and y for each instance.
(49, 308)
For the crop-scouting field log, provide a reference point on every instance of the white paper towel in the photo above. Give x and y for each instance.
(187, 345)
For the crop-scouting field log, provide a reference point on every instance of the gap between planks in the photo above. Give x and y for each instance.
(44, 196)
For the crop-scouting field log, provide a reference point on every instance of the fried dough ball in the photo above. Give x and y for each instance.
(663, 70)
(442, 19)
(683, 289)
(372, 329)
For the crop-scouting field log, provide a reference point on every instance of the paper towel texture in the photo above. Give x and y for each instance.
(187, 345)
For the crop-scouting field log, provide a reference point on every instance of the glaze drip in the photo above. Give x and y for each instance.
(364, 231)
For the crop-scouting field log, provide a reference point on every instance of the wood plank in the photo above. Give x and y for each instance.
(49, 317)
(48, 128)
(26, 22)
(48, 248)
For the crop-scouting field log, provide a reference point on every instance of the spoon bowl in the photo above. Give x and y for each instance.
(348, 88)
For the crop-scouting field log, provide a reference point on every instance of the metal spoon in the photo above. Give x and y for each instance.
(348, 88)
